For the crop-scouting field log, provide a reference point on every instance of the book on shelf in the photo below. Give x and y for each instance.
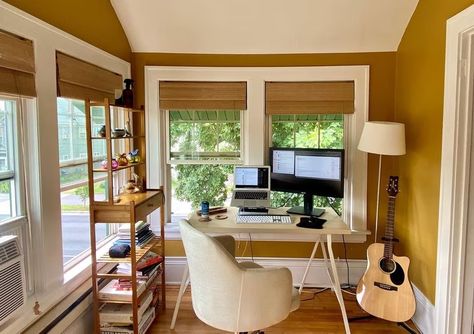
(148, 260)
(145, 273)
(123, 313)
(143, 325)
(139, 225)
(113, 292)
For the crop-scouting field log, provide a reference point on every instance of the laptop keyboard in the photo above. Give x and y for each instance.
(250, 195)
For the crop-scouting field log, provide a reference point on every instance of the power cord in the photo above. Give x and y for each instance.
(313, 293)
(251, 248)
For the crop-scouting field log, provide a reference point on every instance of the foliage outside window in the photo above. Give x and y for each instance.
(74, 176)
(307, 131)
(9, 138)
(204, 145)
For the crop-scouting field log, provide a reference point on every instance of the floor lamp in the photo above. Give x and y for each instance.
(382, 138)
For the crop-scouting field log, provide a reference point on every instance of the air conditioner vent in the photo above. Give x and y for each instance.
(11, 290)
(9, 251)
(12, 278)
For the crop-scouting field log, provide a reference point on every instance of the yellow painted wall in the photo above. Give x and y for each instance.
(93, 21)
(419, 104)
(381, 107)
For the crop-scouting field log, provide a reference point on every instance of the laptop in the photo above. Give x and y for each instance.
(252, 187)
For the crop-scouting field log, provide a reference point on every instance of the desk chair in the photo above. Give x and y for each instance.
(232, 296)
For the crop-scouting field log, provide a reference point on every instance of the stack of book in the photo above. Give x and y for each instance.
(143, 234)
(122, 328)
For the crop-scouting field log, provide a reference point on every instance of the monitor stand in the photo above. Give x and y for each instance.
(307, 209)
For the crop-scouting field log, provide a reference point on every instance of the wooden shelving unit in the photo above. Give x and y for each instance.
(113, 207)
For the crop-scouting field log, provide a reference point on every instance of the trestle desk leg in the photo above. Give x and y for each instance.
(313, 253)
(337, 285)
(182, 288)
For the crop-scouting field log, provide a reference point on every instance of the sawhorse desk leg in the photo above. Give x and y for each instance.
(182, 288)
(332, 274)
(337, 285)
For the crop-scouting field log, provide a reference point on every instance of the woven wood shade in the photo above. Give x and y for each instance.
(81, 80)
(203, 95)
(17, 65)
(309, 97)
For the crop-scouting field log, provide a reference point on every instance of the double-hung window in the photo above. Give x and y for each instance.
(74, 177)
(309, 115)
(204, 127)
(79, 81)
(10, 176)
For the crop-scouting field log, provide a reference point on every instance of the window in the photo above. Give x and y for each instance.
(307, 131)
(74, 177)
(9, 159)
(203, 146)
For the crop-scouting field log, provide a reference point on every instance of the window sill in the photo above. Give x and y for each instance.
(357, 236)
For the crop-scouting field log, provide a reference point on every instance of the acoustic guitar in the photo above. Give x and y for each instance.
(385, 291)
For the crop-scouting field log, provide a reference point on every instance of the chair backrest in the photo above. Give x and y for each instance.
(216, 279)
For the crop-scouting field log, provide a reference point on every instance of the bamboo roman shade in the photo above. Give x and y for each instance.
(203, 95)
(78, 79)
(17, 65)
(335, 97)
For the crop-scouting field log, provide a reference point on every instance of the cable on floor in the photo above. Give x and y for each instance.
(313, 293)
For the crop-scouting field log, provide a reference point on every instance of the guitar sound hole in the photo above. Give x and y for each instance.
(387, 265)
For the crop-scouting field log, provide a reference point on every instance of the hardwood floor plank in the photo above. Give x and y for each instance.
(320, 314)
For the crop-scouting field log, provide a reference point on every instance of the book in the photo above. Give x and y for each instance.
(143, 326)
(149, 260)
(110, 292)
(123, 313)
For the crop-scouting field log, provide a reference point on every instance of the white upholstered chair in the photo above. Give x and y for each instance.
(232, 296)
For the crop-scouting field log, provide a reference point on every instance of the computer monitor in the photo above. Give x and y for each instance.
(317, 172)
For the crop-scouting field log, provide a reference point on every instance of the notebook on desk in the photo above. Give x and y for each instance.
(252, 187)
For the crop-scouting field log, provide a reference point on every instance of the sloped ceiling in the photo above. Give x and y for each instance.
(264, 26)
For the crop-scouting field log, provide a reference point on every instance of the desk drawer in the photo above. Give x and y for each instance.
(148, 206)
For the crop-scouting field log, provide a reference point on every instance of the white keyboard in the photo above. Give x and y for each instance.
(263, 219)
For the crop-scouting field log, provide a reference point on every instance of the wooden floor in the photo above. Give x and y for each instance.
(320, 314)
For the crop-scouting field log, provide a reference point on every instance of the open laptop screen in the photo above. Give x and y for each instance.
(251, 177)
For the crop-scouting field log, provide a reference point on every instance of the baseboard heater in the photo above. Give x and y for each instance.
(70, 308)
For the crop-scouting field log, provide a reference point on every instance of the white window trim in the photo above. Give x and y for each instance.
(254, 125)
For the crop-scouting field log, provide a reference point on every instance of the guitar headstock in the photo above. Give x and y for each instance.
(392, 188)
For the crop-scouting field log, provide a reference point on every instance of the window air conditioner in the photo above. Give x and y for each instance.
(12, 278)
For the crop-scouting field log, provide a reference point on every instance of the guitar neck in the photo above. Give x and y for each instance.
(389, 228)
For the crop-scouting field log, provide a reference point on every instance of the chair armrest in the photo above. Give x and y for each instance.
(228, 242)
(268, 289)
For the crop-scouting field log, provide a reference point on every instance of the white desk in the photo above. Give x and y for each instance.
(333, 226)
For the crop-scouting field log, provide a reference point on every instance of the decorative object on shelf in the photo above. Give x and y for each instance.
(122, 159)
(117, 132)
(133, 156)
(127, 94)
(128, 129)
(133, 186)
(101, 132)
(114, 163)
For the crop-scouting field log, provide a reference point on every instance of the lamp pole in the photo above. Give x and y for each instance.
(378, 199)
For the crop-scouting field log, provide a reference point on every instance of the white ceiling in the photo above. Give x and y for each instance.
(264, 26)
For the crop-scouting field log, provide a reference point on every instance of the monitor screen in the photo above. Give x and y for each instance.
(251, 177)
(313, 171)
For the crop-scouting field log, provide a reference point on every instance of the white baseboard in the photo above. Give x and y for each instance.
(317, 275)
(424, 317)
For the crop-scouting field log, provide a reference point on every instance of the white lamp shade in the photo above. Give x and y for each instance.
(386, 138)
